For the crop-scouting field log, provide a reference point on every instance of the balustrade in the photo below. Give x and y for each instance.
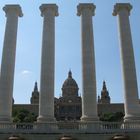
(70, 126)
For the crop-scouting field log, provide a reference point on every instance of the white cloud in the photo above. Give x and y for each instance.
(26, 72)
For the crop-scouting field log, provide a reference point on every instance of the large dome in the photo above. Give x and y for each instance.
(70, 86)
(70, 82)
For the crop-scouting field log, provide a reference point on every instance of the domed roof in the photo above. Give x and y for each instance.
(70, 82)
(70, 87)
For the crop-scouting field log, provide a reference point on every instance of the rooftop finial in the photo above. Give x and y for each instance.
(36, 87)
(70, 74)
(104, 86)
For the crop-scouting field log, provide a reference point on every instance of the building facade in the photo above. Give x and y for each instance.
(69, 105)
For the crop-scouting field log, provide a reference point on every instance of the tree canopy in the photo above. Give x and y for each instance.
(23, 115)
(112, 117)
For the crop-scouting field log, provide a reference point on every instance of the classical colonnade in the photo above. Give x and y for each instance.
(89, 103)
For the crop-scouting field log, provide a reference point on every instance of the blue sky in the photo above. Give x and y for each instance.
(68, 45)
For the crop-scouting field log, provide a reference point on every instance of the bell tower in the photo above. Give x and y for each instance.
(35, 95)
(105, 98)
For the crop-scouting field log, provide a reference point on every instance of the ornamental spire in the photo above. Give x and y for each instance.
(70, 74)
(36, 87)
(104, 86)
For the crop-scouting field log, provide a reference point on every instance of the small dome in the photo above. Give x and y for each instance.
(70, 87)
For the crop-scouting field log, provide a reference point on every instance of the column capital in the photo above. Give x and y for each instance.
(83, 6)
(13, 9)
(122, 6)
(46, 7)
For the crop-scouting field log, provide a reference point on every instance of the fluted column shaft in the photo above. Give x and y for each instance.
(8, 62)
(46, 103)
(89, 103)
(131, 100)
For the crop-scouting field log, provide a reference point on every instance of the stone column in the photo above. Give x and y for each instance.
(46, 102)
(89, 103)
(8, 61)
(131, 100)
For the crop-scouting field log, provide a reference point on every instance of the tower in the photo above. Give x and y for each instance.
(105, 98)
(35, 95)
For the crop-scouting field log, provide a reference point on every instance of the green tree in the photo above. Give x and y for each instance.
(23, 115)
(112, 117)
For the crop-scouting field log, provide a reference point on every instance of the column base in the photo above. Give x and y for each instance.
(89, 119)
(45, 119)
(132, 118)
